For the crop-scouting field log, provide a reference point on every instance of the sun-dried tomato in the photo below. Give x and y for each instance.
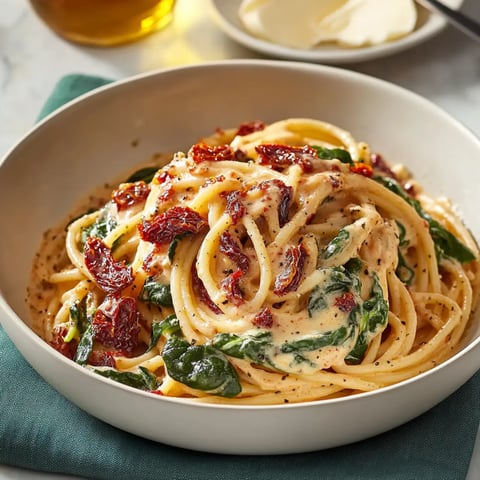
(116, 323)
(129, 194)
(164, 227)
(231, 286)
(362, 169)
(289, 279)
(282, 156)
(235, 206)
(101, 359)
(381, 166)
(110, 275)
(249, 127)
(263, 319)
(201, 291)
(152, 263)
(165, 180)
(201, 152)
(230, 248)
(67, 349)
(286, 197)
(345, 302)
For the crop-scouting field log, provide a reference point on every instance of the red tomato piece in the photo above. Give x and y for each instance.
(164, 227)
(129, 194)
(116, 323)
(110, 275)
(289, 280)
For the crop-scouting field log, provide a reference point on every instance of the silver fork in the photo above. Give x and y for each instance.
(468, 25)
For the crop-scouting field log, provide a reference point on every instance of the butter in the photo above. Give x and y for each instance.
(307, 23)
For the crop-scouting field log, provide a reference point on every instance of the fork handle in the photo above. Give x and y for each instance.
(461, 21)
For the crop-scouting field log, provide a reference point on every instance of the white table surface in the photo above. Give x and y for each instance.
(445, 70)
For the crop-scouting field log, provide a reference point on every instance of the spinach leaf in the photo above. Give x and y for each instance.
(373, 315)
(363, 321)
(146, 174)
(316, 342)
(78, 314)
(78, 321)
(172, 248)
(101, 228)
(333, 153)
(202, 367)
(85, 346)
(156, 293)
(168, 326)
(143, 380)
(337, 244)
(339, 280)
(446, 244)
(254, 345)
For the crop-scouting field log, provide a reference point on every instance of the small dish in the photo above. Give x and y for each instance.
(225, 13)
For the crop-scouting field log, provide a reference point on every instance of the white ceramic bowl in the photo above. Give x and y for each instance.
(90, 141)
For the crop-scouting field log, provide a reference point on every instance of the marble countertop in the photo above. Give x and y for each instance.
(444, 69)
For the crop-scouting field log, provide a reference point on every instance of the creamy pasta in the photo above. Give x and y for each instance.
(268, 264)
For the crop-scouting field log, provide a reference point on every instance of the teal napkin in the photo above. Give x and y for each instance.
(41, 430)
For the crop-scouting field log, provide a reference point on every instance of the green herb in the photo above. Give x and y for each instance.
(255, 345)
(363, 320)
(316, 342)
(446, 244)
(173, 246)
(85, 346)
(202, 367)
(373, 315)
(100, 228)
(143, 380)
(156, 293)
(168, 326)
(339, 280)
(78, 315)
(146, 174)
(333, 154)
(337, 244)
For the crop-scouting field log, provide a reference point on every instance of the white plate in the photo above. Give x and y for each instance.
(226, 15)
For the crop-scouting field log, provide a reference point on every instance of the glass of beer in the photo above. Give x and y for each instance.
(104, 22)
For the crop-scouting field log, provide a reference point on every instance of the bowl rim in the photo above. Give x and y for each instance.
(13, 320)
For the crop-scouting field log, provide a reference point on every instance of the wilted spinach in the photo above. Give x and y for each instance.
(104, 225)
(446, 244)
(255, 346)
(143, 380)
(168, 326)
(333, 154)
(146, 174)
(202, 367)
(157, 293)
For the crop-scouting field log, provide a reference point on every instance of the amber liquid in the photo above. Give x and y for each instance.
(104, 22)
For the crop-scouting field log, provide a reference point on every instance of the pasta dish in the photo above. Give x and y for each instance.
(267, 264)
